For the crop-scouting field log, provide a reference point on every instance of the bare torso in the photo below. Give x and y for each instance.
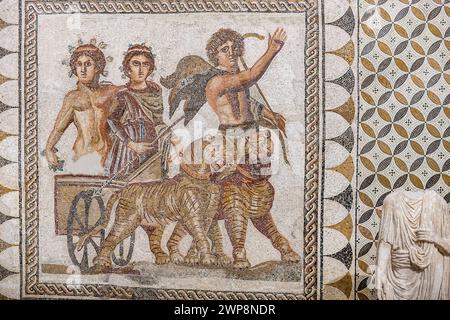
(223, 107)
(230, 90)
(90, 111)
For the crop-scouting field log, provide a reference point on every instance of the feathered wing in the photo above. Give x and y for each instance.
(188, 83)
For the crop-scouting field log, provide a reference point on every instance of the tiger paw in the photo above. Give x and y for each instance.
(177, 258)
(208, 259)
(290, 256)
(223, 260)
(162, 258)
(191, 260)
(241, 264)
(98, 268)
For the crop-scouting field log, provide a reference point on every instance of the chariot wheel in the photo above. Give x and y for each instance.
(82, 219)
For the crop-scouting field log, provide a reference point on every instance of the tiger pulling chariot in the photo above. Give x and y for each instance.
(206, 192)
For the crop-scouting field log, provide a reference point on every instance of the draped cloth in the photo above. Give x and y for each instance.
(138, 117)
(416, 270)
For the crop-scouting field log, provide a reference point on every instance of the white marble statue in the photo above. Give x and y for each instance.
(414, 247)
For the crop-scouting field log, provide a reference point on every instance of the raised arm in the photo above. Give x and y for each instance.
(247, 78)
(63, 120)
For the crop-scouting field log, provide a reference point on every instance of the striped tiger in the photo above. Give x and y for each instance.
(242, 198)
(153, 205)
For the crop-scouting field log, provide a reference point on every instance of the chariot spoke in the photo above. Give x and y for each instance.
(96, 247)
(87, 206)
(99, 222)
(82, 226)
(84, 260)
(121, 249)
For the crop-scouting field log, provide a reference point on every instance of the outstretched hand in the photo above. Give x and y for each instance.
(277, 40)
(52, 159)
(54, 163)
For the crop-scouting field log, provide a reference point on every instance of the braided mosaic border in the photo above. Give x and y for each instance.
(167, 6)
(32, 287)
